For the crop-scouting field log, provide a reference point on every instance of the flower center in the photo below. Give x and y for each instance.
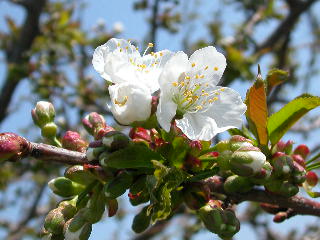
(121, 103)
(194, 93)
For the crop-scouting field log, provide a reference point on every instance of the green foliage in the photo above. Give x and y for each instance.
(280, 122)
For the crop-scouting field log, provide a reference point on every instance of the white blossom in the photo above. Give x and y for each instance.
(190, 95)
(130, 102)
(119, 61)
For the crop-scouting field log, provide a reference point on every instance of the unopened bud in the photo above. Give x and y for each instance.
(222, 146)
(263, 175)
(73, 141)
(281, 187)
(312, 178)
(54, 221)
(49, 130)
(64, 187)
(12, 147)
(43, 113)
(282, 146)
(247, 161)
(280, 217)
(140, 134)
(211, 216)
(237, 141)
(80, 175)
(271, 208)
(302, 150)
(236, 183)
(283, 166)
(68, 208)
(115, 140)
(298, 159)
(95, 124)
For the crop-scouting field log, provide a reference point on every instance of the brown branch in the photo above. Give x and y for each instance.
(299, 205)
(50, 153)
(16, 53)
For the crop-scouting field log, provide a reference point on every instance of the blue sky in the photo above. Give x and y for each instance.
(135, 27)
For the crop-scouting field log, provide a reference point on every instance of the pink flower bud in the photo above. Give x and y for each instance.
(95, 125)
(72, 141)
(281, 146)
(12, 146)
(312, 178)
(298, 159)
(280, 217)
(302, 150)
(278, 154)
(237, 141)
(140, 134)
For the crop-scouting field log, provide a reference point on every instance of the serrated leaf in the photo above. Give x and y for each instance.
(257, 111)
(133, 156)
(280, 122)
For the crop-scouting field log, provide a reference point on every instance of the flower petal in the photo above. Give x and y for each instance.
(227, 110)
(166, 111)
(209, 63)
(197, 126)
(108, 57)
(176, 65)
(130, 102)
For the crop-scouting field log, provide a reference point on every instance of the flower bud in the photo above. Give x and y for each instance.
(68, 208)
(115, 140)
(211, 216)
(118, 185)
(237, 141)
(236, 183)
(263, 175)
(49, 130)
(271, 208)
(281, 187)
(64, 187)
(73, 141)
(43, 113)
(282, 146)
(82, 233)
(12, 147)
(130, 102)
(299, 173)
(196, 147)
(312, 178)
(80, 175)
(247, 161)
(95, 125)
(140, 134)
(222, 146)
(283, 166)
(280, 217)
(302, 150)
(195, 195)
(298, 159)
(54, 221)
(232, 222)
(141, 221)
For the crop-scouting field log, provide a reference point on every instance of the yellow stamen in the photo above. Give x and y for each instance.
(150, 44)
(206, 67)
(161, 54)
(193, 64)
(118, 44)
(122, 103)
(216, 68)
(175, 84)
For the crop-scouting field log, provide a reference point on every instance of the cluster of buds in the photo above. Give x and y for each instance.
(43, 116)
(12, 147)
(218, 220)
(288, 168)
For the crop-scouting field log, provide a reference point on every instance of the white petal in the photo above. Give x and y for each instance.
(166, 111)
(197, 126)
(227, 111)
(176, 65)
(208, 62)
(130, 102)
(108, 57)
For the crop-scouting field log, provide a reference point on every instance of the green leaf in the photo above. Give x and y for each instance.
(280, 122)
(203, 175)
(134, 156)
(160, 186)
(178, 152)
